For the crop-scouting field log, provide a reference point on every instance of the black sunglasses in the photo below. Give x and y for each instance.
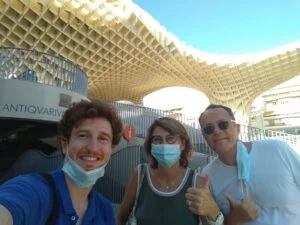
(222, 124)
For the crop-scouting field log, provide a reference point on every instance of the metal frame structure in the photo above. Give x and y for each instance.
(127, 54)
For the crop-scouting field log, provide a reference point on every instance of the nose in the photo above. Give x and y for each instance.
(164, 141)
(94, 145)
(217, 130)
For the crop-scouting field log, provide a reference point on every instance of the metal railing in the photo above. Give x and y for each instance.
(37, 67)
(126, 158)
(142, 117)
(252, 133)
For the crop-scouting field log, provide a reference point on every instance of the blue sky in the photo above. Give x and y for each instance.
(228, 26)
(221, 26)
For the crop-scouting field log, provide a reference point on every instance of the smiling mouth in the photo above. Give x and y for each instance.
(89, 158)
(218, 140)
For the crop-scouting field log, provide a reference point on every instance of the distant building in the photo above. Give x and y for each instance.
(280, 110)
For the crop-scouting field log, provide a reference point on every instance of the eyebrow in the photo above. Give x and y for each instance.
(77, 130)
(163, 136)
(221, 120)
(106, 134)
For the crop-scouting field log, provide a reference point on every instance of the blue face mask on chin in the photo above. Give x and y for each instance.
(243, 162)
(166, 154)
(81, 177)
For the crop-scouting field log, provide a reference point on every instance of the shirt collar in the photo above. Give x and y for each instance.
(65, 198)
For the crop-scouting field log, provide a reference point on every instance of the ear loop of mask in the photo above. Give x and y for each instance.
(68, 156)
(68, 152)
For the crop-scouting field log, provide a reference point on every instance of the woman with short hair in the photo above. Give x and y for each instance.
(170, 193)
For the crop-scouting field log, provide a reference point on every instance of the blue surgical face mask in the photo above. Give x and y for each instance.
(81, 177)
(243, 162)
(166, 154)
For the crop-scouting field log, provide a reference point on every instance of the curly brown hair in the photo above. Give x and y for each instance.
(90, 109)
(174, 127)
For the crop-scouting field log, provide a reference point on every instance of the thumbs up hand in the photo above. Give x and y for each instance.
(241, 212)
(200, 200)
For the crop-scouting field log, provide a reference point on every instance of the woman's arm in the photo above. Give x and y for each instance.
(129, 198)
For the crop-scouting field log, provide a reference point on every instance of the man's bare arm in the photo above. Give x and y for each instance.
(6, 218)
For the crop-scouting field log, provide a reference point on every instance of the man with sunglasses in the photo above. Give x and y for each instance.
(256, 182)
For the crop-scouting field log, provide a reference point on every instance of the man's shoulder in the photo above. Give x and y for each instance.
(269, 143)
(210, 167)
(266, 141)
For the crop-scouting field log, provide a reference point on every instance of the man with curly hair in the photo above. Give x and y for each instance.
(87, 134)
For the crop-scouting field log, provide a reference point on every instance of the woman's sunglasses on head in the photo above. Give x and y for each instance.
(222, 125)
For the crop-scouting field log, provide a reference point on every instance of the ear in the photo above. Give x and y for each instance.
(238, 128)
(63, 142)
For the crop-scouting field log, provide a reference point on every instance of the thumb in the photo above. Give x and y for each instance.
(231, 200)
(204, 182)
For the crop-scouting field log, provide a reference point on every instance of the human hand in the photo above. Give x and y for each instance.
(242, 212)
(200, 200)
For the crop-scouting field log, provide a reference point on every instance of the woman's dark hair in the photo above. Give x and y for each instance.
(174, 127)
(86, 109)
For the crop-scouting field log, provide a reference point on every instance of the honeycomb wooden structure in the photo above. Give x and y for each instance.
(127, 54)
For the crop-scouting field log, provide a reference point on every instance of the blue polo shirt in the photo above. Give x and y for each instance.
(29, 200)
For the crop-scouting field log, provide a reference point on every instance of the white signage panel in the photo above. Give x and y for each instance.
(28, 100)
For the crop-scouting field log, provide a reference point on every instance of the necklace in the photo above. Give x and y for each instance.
(169, 186)
(162, 185)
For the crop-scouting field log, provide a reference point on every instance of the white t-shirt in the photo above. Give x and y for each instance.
(274, 184)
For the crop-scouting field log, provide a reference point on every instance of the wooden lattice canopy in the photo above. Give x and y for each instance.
(127, 54)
